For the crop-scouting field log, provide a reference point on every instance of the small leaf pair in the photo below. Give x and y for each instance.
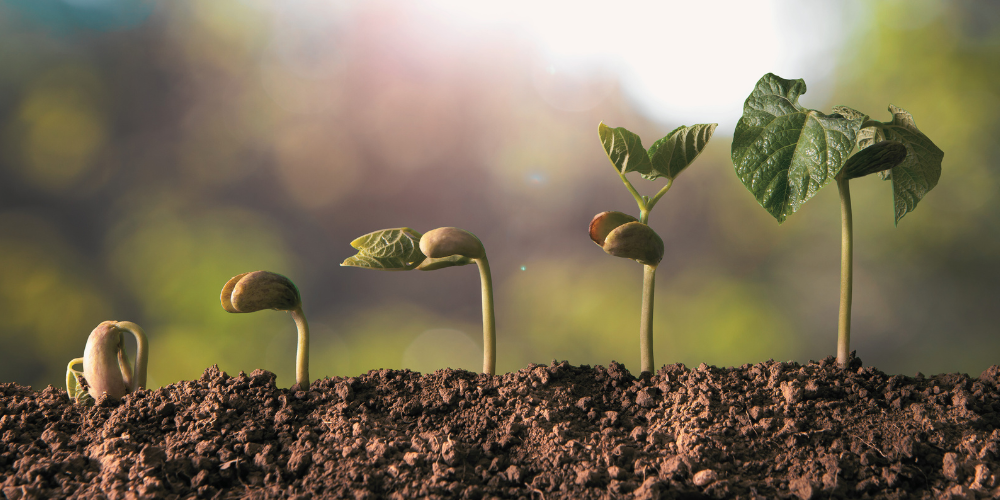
(398, 249)
(403, 249)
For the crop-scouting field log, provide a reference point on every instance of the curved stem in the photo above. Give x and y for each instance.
(489, 321)
(656, 198)
(631, 189)
(136, 379)
(846, 271)
(73, 377)
(302, 352)
(646, 321)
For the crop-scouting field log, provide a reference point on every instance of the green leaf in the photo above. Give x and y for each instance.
(878, 157)
(783, 153)
(396, 249)
(678, 149)
(921, 169)
(625, 150)
(381, 263)
(443, 262)
(401, 242)
(849, 113)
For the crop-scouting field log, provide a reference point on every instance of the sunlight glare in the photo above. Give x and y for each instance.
(680, 61)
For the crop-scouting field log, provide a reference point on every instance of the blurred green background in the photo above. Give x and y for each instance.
(150, 150)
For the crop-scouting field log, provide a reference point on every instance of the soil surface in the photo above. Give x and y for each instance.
(770, 430)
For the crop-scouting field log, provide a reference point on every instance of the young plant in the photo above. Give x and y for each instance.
(403, 249)
(623, 235)
(251, 292)
(784, 153)
(106, 366)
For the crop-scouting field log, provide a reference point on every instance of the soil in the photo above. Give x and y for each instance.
(770, 430)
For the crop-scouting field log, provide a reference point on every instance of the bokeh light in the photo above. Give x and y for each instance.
(151, 150)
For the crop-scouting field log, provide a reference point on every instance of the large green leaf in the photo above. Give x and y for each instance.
(783, 152)
(625, 150)
(921, 169)
(678, 149)
(388, 249)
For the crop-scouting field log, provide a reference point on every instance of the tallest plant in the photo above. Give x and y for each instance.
(784, 153)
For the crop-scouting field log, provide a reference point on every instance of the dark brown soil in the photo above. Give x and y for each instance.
(771, 430)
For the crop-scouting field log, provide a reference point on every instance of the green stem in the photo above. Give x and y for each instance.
(656, 198)
(646, 322)
(134, 379)
(73, 377)
(846, 271)
(489, 321)
(631, 189)
(302, 352)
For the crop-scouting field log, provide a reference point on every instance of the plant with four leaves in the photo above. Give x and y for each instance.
(403, 249)
(623, 235)
(106, 366)
(783, 153)
(251, 292)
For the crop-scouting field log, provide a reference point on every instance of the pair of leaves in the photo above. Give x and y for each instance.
(667, 157)
(397, 249)
(783, 152)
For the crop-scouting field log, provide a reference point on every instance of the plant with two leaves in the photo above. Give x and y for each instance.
(251, 292)
(623, 235)
(783, 153)
(403, 249)
(106, 366)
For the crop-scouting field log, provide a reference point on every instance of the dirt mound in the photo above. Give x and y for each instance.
(770, 430)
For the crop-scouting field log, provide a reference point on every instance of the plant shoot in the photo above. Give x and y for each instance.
(403, 249)
(251, 292)
(783, 153)
(106, 366)
(623, 235)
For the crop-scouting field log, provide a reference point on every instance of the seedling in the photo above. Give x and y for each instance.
(106, 366)
(251, 292)
(403, 249)
(623, 235)
(784, 153)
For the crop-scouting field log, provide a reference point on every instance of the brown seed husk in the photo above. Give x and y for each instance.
(261, 290)
(227, 293)
(447, 241)
(100, 361)
(635, 241)
(603, 223)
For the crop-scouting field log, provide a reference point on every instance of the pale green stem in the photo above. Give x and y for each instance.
(631, 189)
(646, 321)
(656, 198)
(846, 272)
(136, 379)
(489, 321)
(73, 377)
(302, 352)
